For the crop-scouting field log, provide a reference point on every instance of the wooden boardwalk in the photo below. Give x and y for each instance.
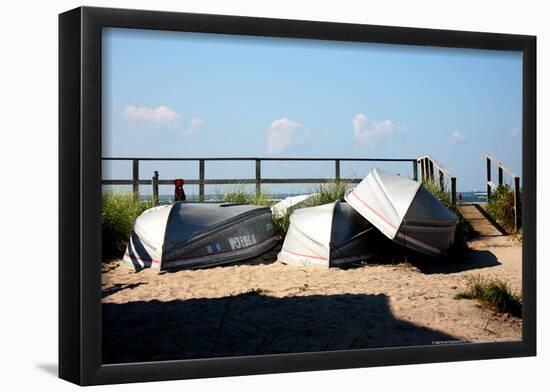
(475, 215)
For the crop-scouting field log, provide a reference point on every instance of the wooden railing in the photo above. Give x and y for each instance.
(428, 165)
(492, 186)
(258, 180)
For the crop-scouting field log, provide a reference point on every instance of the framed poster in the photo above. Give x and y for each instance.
(245, 195)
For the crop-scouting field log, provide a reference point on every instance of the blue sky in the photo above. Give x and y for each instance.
(172, 94)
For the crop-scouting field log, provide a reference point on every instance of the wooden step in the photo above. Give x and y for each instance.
(479, 222)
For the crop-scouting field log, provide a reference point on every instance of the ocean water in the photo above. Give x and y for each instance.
(467, 197)
(471, 197)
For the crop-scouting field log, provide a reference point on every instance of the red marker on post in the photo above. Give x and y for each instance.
(179, 193)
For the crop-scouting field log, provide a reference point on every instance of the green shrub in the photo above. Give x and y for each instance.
(119, 211)
(492, 292)
(501, 207)
(463, 230)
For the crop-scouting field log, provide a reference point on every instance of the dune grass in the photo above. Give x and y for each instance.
(240, 196)
(494, 293)
(119, 211)
(501, 207)
(329, 192)
(280, 225)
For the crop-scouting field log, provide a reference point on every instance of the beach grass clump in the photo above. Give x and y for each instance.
(240, 196)
(262, 199)
(463, 231)
(280, 224)
(501, 207)
(329, 192)
(119, 211)
(237, 196)
(492, 292)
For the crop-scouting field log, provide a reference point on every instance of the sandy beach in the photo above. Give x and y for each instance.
(263, 306)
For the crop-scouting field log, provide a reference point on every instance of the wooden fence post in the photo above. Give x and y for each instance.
(431, 168)
(488, 178)
(415, 170)
(441, 180)
(500, 176)
(135, 178)
(517, 204)
(258, 177)
(155, 182)
(453, 191)
(201, 179)
(337, 169)
(424, 171)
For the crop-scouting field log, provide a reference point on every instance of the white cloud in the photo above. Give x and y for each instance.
(162, 115)
(283, 133)
(515, 131)
(456, 137)
(195, 126)
(366, 130)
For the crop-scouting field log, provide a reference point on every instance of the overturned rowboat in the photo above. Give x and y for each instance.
(405, 211)
(331, 235)
(194, 235)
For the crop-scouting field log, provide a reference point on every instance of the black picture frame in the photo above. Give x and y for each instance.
(80, 196)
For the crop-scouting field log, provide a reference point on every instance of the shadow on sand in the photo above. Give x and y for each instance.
(395, 255)
(254, 324)
(118, 287)
(471, 259)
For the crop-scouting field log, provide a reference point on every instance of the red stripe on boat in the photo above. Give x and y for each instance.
(300, 254)
(373, 210)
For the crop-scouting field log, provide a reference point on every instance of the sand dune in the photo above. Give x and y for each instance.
(264, 306)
